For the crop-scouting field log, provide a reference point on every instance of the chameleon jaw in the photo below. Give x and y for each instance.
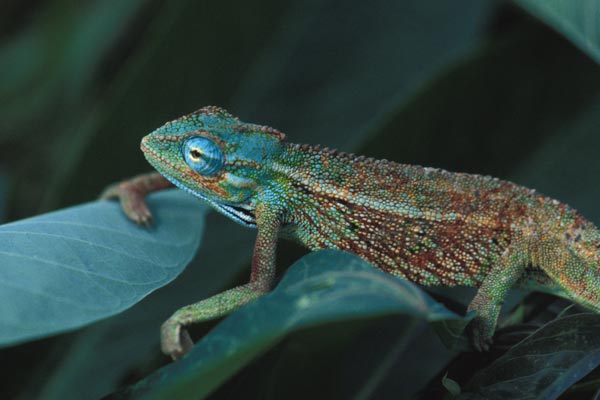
(241, 215)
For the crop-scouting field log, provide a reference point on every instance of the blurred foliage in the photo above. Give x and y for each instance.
(482, 86)
(577, 20)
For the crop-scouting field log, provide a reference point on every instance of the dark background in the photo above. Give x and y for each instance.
(472, 85)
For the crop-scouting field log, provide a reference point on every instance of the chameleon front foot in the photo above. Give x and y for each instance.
(131, 194)
(132, 202)
(175, 341)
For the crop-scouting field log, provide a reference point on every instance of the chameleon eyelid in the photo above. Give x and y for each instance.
(211, 159)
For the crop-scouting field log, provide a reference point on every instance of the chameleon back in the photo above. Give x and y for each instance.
(427, 225)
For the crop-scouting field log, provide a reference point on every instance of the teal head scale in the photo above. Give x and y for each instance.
(218, 156)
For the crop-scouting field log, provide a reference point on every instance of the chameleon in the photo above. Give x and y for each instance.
(427, 225)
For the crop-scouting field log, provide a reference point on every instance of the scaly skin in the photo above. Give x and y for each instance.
(427, 225)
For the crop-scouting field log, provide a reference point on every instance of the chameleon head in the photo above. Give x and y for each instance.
(212, 155)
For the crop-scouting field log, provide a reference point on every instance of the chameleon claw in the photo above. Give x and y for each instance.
(175, 341)
(138, 211)
(147, 222)
(481, 338)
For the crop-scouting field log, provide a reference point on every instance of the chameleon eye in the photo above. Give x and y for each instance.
(203, 156)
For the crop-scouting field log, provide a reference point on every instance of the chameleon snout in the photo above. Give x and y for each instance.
(150, 146)
(153, 144)
(144, 143)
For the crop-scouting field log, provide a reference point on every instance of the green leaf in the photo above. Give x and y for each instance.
(543, 365)
(451, 385)
(577, 20)
(451, 332)
(321, 288)
(66, 269)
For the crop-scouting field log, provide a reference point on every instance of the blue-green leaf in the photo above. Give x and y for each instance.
(225, 250)
(576, 19)
(65, 269)
(323, 287)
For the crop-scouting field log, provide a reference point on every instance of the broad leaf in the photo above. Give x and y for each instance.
(576, 19)
(225, 250)
(321, 288)
(69, 268)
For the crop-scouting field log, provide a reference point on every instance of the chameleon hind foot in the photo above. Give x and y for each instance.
(488, 301)
(482, 327)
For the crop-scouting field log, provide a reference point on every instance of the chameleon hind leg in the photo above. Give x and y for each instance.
(571, 277)
(579, 278)
(175, 341)
(506, 271)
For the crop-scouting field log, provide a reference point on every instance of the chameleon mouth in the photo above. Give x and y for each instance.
(240, 214)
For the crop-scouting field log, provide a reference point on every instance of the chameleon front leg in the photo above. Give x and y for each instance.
(489, 298)
(131, 194)
(175, 340)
